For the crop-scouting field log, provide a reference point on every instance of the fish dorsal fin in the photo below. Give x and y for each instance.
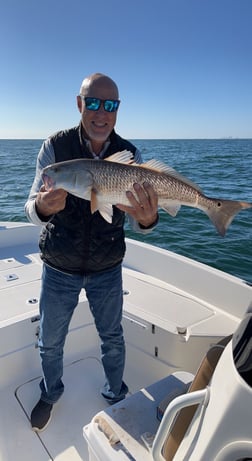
(125, 156)
(157, 165)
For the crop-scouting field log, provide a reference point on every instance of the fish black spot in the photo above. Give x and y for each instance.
(219, 204)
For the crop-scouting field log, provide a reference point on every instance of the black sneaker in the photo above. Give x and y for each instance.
(41, 415)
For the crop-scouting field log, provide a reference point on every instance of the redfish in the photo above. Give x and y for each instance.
(105, 182)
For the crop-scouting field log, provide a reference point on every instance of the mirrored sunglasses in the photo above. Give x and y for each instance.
(110, 105)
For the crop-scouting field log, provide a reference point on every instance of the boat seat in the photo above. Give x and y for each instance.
(200, 381)
(125, 431)
(129, 428)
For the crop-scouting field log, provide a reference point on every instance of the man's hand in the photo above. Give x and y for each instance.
(144, 209)
(50, 202)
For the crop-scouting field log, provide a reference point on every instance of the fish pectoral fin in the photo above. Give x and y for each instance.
(93, 201)
(106, 211)
(125, 156)
(171, 209)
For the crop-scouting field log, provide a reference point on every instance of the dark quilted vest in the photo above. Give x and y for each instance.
(74, 240)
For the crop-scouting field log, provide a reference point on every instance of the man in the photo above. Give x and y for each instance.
(80, 249)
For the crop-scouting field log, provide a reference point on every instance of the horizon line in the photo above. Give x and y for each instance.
(225, 138)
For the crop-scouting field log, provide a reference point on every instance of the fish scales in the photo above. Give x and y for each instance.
(115, 179)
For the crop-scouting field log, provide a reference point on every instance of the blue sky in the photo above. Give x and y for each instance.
(183, 67)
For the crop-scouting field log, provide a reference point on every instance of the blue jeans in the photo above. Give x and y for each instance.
(59, 297)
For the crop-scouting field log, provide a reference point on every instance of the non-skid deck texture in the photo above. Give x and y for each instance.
(63, 439)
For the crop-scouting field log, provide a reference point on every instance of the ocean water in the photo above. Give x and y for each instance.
(222, 168)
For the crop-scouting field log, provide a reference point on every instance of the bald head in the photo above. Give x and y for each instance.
(96, 81)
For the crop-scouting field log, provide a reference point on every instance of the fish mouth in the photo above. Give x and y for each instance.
(48, 182)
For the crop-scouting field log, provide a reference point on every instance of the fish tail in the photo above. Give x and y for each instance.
(223, 213)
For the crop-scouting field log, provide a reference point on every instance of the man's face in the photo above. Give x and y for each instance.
(98, 124)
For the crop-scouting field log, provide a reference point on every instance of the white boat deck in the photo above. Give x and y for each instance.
(81, 401)
(63, 439)
(168, 327)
